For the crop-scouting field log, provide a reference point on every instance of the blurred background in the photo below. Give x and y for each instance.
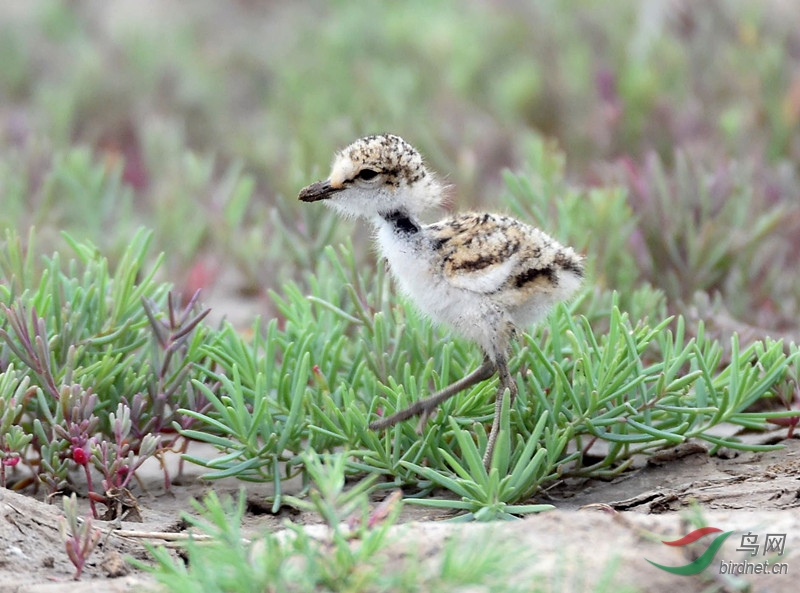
(672, 125)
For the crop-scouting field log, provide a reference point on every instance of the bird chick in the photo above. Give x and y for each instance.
(482, 274)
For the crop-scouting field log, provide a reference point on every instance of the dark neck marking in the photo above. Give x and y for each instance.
(401, 222)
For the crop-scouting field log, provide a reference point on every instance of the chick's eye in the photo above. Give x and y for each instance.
(367, 174)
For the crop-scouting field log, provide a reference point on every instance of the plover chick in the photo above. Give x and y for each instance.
(482, 274)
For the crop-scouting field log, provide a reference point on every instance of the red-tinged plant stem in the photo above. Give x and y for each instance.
(91, 489)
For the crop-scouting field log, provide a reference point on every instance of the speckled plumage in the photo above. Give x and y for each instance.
(499, 255)
(482, 274)
(389, 154)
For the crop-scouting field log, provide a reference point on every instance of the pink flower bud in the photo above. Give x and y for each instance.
(80, 455)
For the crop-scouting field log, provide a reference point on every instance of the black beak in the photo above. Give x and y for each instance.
(321, 190)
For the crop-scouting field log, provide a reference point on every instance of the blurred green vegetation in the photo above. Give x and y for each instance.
(202, 124)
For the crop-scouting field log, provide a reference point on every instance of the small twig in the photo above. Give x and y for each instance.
(169, 536)
(173, 537)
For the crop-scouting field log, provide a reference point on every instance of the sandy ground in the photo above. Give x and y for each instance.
(596, 526)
